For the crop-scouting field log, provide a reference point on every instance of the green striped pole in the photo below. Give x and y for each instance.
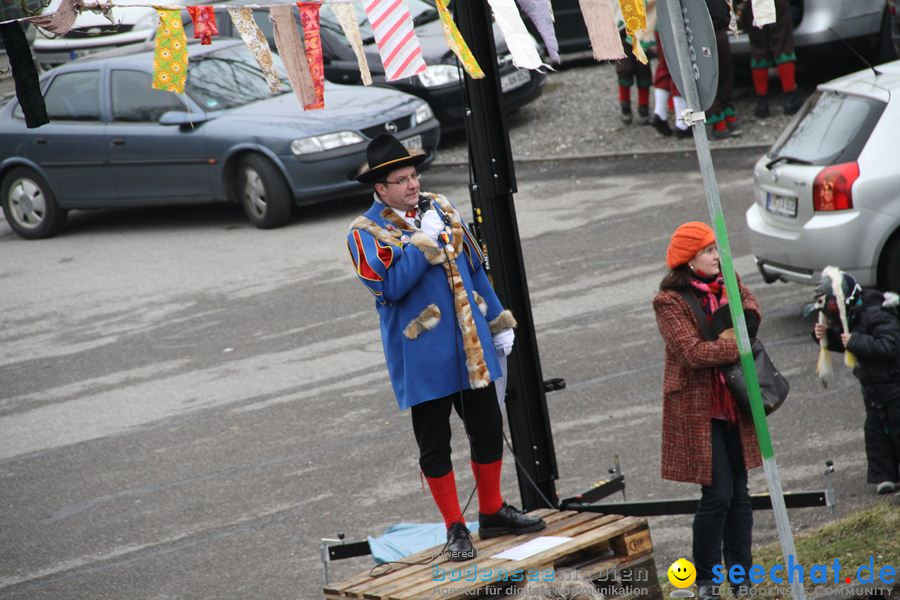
(692, 96)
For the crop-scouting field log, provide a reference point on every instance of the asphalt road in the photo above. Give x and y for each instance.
(188, 404)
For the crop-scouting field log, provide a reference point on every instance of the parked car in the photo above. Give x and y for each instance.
(828, 192)
(440, 85)
(112, 141)
(92, 33)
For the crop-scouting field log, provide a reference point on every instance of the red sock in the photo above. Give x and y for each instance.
(761, 81)
(720, 126)
(786, 75)
(671, 104)
(643, 96)
(488, 477)
(443, 490)
(731, 119)
(624, 93)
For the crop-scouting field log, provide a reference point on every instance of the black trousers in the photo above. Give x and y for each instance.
(724, 519)
(481, 416)
(882, 433)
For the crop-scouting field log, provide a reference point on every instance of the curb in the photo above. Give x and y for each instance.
(656, 153)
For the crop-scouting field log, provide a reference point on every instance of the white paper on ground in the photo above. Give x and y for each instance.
(532, 547)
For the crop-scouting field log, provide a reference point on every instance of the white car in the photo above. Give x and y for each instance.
(828, 191)
(93, 32)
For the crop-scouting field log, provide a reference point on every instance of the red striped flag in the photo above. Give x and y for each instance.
(397, 42)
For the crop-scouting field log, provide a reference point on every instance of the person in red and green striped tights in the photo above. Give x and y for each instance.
(773, 46)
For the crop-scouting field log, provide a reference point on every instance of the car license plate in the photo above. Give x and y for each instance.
(413, 143)
(785, 206)
(514, 80)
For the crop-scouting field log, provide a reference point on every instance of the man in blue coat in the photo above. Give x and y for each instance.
(442, 327)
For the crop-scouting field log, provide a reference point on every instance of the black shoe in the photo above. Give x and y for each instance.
(683, 133)
(762, 108)
(706, 590)
(661, 125)
(508, 519)
(792, 102)
(459, 544)
(721, 134)
(644, 114)
(626, 112)
(733, 126)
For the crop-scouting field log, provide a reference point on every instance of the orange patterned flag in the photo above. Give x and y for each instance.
(170, 58)
(635, 15)
(312, 38)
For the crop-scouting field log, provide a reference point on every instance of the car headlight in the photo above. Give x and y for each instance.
(148, 21)
(328, 141)
(423, 113)
(437, 75)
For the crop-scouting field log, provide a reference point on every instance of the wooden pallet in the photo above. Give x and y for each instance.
(605, 549)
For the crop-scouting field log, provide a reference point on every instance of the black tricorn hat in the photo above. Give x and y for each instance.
(385, 154)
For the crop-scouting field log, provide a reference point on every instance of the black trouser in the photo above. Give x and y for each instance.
(480, 413)
(724, 519)
(882, 432)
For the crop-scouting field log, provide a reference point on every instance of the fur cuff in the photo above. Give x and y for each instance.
(504, 320)
(427, 319)
(482, 305)
(433, 253)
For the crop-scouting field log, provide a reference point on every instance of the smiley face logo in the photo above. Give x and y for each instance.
(682, 573)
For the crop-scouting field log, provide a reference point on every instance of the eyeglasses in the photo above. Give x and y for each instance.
(403, 180)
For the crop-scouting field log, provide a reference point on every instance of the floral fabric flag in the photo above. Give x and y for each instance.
(204, 18)
(291, 51)
(312, 40)
(397, 42)
(542, 17)
(61, 20)
(346, 16)
(518, 40)
(456, 42)
(242, 17)
(170, 58)
(635, 15)
(600, 19)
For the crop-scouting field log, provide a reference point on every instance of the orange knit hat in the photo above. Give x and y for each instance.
(687, 241)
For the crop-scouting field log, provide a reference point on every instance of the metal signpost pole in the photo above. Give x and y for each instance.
(686, 66)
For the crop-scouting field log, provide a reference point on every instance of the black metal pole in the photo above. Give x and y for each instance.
(492, 201)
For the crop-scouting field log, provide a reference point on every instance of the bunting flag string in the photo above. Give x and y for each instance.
(312, 40)
(59, 21)
(204, 19)
(242, 17)
(541, 15)
(346, 16)
(290, 48)
(635, 15)
(456, 42)
(518, 40)
(170, 56)
(397, 42)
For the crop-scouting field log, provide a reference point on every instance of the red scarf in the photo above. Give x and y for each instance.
(713, 296)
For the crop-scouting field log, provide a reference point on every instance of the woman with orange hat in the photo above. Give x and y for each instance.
(705, 438)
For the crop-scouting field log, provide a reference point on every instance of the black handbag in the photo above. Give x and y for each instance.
(773, 386)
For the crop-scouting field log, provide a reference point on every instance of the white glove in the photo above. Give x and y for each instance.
(432, 225)
(503, 342)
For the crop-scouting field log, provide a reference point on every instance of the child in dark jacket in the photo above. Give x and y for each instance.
(874, 341)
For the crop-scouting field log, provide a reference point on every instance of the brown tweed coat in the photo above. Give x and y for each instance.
(687, 388)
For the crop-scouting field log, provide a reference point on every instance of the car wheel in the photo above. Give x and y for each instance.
(263, 192)
(29, 205)
(890, 266)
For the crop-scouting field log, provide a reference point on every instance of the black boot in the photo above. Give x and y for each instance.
(459, 544)
(643, 114)
(792, 102)
(762, 108)
(626, 112)
(661, 126)
(507, 520)
(707, 590)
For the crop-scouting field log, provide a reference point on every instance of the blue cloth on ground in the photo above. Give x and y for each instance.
(402, 539)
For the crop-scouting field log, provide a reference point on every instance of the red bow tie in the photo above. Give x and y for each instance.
(411, 214)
